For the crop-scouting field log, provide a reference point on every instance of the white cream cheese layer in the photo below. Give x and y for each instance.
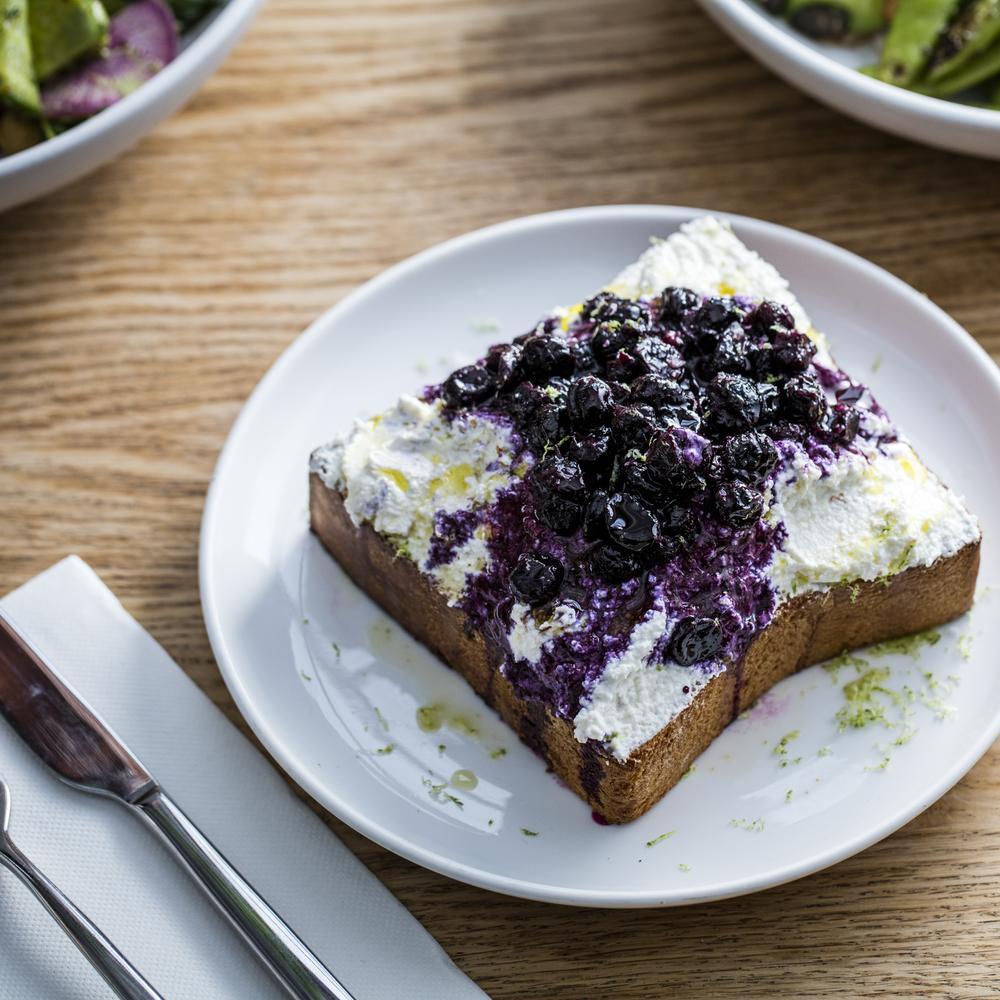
(635, 698)
(401, 467)
(868, 516)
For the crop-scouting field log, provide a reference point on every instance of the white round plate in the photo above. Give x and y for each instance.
(74, 153)
(829, 72)
(329, 684)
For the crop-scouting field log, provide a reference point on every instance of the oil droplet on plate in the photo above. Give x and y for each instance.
(464, 779)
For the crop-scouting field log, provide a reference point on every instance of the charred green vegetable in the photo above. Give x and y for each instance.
(913, 35)
(18, 86)
(63, 31)
(972, 73)
(835, 19)
(972, 32)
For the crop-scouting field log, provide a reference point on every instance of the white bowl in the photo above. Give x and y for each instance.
(83, 148)
(830, 74)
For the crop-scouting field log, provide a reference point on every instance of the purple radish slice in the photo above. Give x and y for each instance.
(143, 38)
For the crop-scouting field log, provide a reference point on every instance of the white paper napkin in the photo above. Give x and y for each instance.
(124, 879)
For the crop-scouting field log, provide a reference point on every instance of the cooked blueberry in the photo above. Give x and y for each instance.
(785, 430)
(791, 351)
(594, 517)
(561, 515)
(679, 416)
(750, 457)
(621, 392)
(633, 477)
(557, 389)
(630, 523)
(594, 450)
(557, 476)
(843, 423)
(716, 314)
(713, 464)
(467, 386)
(803, 399)
(546, 426)
(759, 362)
(731, 351)
(607, 340)
(589, 401)
(546, 354)
(678, 521)
(661, 390)
(695, 639)
(536, 577)
(676, 303)
(523, 402)
(583, 357)
(737, 401)
(609, 307)
(673, 463)
(770, 317)
(625, 366)
(738, 505)
(657, 357)
(503, 361)
(613, 564)
(633, 426)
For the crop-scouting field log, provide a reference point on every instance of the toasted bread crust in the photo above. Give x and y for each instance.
(805, 630)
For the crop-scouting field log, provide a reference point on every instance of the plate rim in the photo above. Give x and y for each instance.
(347, 812)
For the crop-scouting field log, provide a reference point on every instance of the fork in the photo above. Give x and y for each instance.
(118, 972)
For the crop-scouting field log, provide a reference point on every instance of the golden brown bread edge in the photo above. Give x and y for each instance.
(805, 630)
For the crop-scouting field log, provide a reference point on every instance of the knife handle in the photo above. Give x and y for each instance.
(276, 944)
(124, 979)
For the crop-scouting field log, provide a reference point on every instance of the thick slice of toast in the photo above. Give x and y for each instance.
(626, 525)
(805, 630)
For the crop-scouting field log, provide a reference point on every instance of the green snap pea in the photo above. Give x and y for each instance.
(18, 86)
(833, 19)
(974, 72)
(912, 36)
(972, 32)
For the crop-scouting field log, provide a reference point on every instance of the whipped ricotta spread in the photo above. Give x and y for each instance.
(638, 691)
(404, 467)
(872, 511)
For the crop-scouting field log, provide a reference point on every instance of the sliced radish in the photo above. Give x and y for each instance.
(143, 39)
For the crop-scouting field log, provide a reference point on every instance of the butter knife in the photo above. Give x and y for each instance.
(70, 738)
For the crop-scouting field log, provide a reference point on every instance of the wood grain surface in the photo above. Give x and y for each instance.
(139, 307)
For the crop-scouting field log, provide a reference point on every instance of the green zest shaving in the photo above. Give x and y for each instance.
(863, 707)
(781, 750)
(907, 645)
(662, 837)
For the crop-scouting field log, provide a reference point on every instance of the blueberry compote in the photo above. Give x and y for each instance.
(649, 432)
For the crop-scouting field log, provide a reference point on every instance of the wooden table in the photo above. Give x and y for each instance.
(140, 306)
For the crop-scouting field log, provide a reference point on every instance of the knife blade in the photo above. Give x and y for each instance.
(77, 745)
